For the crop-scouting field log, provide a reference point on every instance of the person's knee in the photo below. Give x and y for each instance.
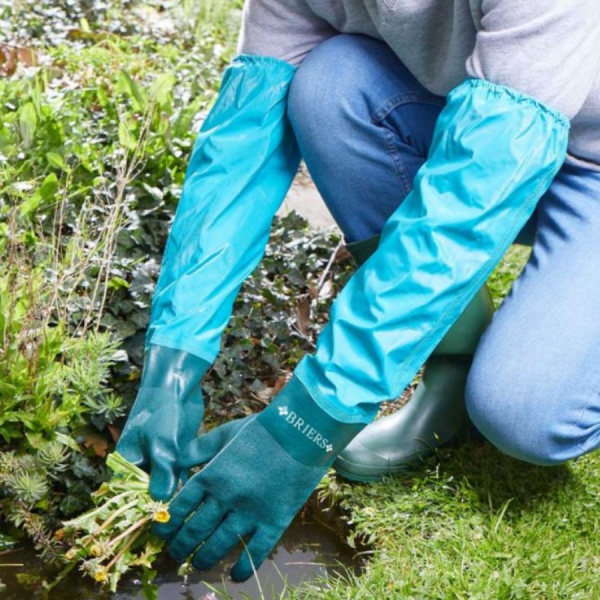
(328, 80)
(509, 411)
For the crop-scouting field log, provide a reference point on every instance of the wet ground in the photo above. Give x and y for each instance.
(307, 552)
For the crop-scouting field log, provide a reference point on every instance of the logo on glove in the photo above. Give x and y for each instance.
(306, 429)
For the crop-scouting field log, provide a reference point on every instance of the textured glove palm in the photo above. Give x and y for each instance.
(165, 418)
(264, 470)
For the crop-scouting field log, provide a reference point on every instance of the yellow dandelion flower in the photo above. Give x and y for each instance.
(161, 516)
(95, 550)
(101, 575)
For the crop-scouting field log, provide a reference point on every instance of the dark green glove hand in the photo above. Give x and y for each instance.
(264, 469)
(165, 418)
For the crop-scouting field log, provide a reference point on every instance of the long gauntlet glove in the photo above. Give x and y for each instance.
(243, 163)
(494, 153)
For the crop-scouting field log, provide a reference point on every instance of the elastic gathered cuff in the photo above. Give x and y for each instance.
(521, 97)
(256, 59)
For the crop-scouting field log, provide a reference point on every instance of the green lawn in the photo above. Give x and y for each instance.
(477, 524)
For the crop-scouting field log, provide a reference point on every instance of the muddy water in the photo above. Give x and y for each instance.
(307, 552)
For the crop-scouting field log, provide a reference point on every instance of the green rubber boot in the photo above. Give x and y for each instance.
(435, 415)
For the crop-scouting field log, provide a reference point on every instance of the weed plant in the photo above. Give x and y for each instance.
(97, 119)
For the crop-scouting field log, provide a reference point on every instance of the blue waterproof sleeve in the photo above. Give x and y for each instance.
(242, 166)
(494, 153)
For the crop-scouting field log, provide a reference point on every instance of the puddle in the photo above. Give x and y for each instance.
(307, 552)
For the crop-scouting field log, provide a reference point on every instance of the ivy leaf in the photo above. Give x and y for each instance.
(303, 315)
(156, 193)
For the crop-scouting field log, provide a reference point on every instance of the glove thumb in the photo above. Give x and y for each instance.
(206, 446)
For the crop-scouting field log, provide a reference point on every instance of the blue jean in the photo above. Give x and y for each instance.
(364, 126)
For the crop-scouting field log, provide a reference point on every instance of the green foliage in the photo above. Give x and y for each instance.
(94, 147)
(51, 382)
(507, 271)
(28, 496)
(97, 121)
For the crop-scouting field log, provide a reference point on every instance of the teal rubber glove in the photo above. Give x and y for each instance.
(262, 470)
(165, 418)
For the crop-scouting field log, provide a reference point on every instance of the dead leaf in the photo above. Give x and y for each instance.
(11, 57)
(265, 395)
(115, 433)
(303, 315)
(93, 439)
(8, 61)
(27, 56)
(342, 254)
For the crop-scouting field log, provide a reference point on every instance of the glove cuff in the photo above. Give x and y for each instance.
(303, 429)
(176, 370)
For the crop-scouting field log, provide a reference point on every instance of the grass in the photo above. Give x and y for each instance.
(474, 524)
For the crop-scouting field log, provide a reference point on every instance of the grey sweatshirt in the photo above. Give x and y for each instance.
(548, 49)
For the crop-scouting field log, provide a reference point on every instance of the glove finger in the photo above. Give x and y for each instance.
(182, 505)
(223, 540)
(255, 553)
(196, 530)
(205, 447)
(132, 452)
(163, 480)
